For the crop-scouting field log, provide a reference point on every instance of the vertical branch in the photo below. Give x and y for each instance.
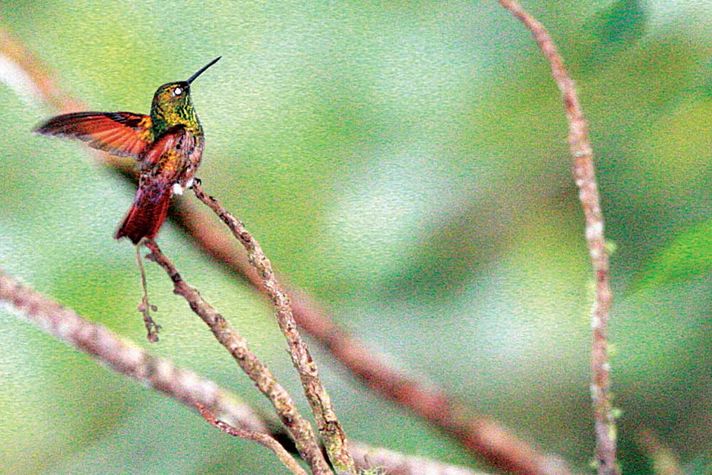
(145, 307)
(329, 426)
(585, 179)
(300, 430)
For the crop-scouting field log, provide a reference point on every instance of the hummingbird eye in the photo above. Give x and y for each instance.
(177, 91)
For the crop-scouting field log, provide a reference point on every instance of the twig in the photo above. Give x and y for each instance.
(145, 307)
(479, 434)
(187, 387)
(585, 178)
(300, 430)
(329, 426)
(259, 437)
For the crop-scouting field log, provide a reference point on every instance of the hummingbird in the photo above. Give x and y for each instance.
(168, 145)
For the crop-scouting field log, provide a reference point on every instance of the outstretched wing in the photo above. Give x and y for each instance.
(120, 133)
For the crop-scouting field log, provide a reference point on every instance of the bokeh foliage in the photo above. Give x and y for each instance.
(406, 163)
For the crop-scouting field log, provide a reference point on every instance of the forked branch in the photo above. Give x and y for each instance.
(185, 386)
(329, 426)
(478, 434)
(298, 427)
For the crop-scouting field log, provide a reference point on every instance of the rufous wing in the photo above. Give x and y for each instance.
(120, 133)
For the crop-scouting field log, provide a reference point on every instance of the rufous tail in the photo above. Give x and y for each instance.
(148, 212)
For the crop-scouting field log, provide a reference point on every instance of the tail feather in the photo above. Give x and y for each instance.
(147, 214)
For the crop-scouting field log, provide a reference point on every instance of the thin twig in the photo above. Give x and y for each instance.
(479, 434)
(299, 428)
(330, 428)
(585, 178)
(259, 437)
(145, 307)
(185, 386)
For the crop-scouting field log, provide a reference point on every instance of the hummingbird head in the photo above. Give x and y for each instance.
(172, 104)
(172, 95)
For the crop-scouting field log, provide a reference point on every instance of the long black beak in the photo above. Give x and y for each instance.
(202, 70)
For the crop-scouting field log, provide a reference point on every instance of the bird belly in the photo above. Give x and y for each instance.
(190, 166)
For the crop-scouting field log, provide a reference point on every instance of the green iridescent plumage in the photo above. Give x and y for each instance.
(168, 145)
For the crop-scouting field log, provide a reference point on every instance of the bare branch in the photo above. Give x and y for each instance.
(187, 387)
(124, 356)
(329, 426)
(479, 434)
(395, 463)
(298, 427)
(259, 437)
(585, 178)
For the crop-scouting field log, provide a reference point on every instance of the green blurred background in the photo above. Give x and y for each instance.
(404, 162)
